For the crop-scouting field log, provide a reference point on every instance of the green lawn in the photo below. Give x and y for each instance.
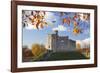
(63, 56)
(66, 56)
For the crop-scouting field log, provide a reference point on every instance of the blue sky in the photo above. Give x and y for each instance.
(31, 36)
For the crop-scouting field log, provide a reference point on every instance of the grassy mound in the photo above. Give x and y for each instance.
(54, 56)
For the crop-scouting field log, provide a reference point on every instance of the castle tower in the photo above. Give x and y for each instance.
(56, 31)
(52, 39)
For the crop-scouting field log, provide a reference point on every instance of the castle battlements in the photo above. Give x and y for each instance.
(60, 43)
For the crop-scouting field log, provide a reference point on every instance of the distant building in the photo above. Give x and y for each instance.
(60, 43)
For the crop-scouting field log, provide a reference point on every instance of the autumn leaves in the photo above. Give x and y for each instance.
(37, 20)
(75, 20)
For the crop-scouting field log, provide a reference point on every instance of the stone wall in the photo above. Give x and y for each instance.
(60, 43)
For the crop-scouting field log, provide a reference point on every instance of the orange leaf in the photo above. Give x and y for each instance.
(75, 23)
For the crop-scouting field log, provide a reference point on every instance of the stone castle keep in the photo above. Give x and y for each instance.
(60, 43)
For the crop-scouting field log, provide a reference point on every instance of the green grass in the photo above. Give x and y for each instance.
(63, 56)
(66, 56)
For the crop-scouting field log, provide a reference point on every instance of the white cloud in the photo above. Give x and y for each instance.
(60, 28)
(48, 15)
(29, 26)
(84, 43)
